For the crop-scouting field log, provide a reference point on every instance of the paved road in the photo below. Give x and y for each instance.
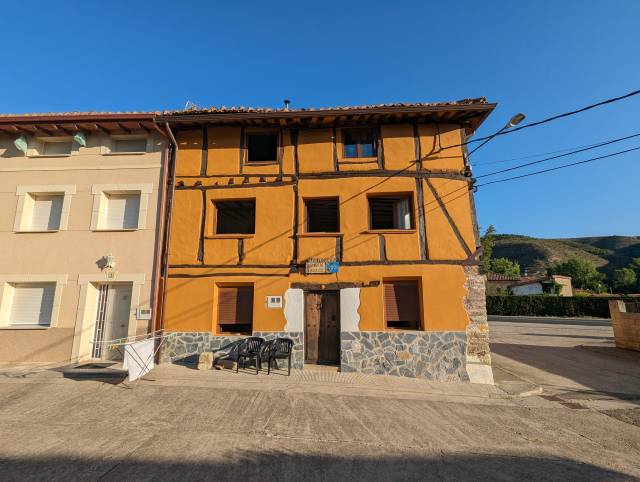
(574, 359)
(184, 424)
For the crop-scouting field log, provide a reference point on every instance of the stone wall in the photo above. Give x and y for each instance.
(478, 328)
(180, 345)
(420, 354)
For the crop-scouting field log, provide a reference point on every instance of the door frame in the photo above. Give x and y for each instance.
(110, 289)
(87, 310)
(304, 323)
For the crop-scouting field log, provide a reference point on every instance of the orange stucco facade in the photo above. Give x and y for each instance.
(267, 255)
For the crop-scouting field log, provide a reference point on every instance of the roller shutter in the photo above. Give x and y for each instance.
(235, 305)
(402, 304)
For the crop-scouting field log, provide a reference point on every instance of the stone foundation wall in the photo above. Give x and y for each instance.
(478, 329)
(180, 345)
(417, 354)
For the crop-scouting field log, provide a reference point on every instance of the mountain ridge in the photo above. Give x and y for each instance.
(535, 254)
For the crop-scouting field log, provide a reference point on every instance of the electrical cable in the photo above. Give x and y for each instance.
(594, 146)
(548, 119)
(564, 166)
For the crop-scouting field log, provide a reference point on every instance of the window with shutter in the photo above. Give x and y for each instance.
(122, 211)
(402, 304)
(46, 213)
(235, 217)
(235, 309)
(32, 304)
(390, 212)
(323, 215)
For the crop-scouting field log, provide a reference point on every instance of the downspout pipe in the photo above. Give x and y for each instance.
(170, 189)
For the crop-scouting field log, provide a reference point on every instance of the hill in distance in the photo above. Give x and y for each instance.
(535, 254)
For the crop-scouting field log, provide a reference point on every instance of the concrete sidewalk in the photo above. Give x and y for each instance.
(182, 424)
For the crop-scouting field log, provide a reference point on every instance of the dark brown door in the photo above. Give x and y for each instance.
(322, 327)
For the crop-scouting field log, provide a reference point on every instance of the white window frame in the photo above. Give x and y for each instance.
(106, 146)
(100, 203)
(22, 220)
(6, 298)
(36, 146)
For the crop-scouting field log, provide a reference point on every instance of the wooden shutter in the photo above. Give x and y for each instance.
(47, 210)
(32, 304)
(235, 305)
(401, 302)
(122, 211)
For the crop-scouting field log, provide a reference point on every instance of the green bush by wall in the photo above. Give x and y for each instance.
(561, 306)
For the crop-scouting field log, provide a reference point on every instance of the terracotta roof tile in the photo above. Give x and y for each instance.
(78, 113)
(243, 109)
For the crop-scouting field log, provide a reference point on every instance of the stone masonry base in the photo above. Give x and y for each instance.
(180, 345)
(431, 355)
(427, 354)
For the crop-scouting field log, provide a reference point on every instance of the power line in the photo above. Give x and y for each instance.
(531, 156)
(466, 188)
(564, 166)
(567, 114)
(594, 146)
(548, 119)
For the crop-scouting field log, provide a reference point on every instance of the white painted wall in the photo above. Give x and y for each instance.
(349, 304)
(294, 309)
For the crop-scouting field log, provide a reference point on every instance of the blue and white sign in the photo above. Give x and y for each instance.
(333, 266)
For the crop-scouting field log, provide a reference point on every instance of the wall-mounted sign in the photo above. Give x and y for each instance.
(274, 301)
(321, 266)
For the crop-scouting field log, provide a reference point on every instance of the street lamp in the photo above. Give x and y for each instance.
(514, 121)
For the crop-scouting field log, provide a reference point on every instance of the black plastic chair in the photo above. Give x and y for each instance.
(250, 348)
(265, 350)
(281, 349)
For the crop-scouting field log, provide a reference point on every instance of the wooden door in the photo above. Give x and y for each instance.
(322, 327)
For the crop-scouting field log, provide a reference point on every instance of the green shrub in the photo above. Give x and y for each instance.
(560, 306)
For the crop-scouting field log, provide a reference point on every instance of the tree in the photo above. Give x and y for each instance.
(505, 266)
(488, 241)
(583, 273)
(624, 279)
(635, 266)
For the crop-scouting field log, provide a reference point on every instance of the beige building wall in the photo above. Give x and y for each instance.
(72, 255)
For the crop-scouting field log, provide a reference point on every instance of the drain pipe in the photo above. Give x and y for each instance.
(167, 207)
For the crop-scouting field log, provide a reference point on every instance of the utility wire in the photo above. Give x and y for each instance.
(567, 114)
(548, 119)
(594, 146)
(564, 166)
(531, 156)
(466, 188)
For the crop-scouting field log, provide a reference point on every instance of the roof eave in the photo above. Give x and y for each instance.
(482, 110)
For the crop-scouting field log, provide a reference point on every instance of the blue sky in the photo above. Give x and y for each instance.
(541, 58)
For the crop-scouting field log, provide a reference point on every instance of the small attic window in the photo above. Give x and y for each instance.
(129, 144)
(262, 147)
(56, 147)
(358, 143)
